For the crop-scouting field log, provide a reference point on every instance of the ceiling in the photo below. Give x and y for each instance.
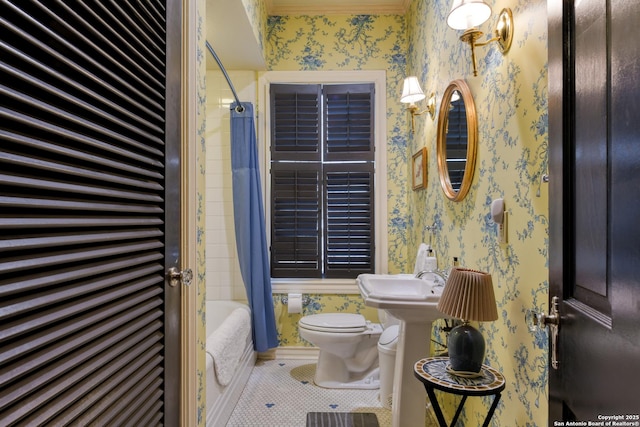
(231, 34)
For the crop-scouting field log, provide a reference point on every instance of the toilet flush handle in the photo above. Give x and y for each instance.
(538, 321)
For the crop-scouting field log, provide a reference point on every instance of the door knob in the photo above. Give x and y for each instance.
(537, 321)
(176, 276)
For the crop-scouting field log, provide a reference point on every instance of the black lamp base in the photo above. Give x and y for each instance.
(466, 349)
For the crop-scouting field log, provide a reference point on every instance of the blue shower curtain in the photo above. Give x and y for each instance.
(251, 238)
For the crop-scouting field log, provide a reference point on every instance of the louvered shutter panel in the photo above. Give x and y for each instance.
(295, 122)
(83, 123)
(296, 220)
(348, 122)
(348, 180)
(349, 234)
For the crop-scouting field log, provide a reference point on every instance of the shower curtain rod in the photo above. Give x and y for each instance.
(239, 107)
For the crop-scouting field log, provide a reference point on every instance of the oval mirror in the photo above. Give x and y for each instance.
(456, 145)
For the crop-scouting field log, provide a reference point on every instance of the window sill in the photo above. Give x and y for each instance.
(315, 286)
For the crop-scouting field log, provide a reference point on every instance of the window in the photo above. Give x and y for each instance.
(322, 180)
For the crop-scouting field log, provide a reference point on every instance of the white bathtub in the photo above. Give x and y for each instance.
(221, 399)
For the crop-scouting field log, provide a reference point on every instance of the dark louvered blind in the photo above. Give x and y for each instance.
(349, 122)
(296, 219)
(295, 112)
(322, 199)
(82, 210)
(349, 219)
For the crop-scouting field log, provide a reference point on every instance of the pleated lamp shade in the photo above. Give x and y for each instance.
(468, 295)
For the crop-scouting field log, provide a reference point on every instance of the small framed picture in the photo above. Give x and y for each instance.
(419, 169)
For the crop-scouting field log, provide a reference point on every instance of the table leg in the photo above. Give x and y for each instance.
(494, 405)
(436, 407)
(455, 417)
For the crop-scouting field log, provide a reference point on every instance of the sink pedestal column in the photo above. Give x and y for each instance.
(409, 396)
(414, 302)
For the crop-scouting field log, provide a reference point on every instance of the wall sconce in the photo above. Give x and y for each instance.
(412, 93)
(468, 14)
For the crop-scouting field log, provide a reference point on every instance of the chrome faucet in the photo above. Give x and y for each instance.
(441, 274)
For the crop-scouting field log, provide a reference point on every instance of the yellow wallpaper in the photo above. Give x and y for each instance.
(510, 94)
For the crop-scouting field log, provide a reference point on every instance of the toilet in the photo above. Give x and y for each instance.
(348, 346)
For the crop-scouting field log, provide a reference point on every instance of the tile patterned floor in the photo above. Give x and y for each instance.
(281, 392)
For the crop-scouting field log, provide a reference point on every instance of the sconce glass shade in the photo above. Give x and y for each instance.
(411, 91)
(467, 14)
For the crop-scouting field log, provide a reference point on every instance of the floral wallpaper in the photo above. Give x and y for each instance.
(200, 270)
(510, 95)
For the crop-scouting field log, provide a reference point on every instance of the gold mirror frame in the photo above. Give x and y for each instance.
(472, 137)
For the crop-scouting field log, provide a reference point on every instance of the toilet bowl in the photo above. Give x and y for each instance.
(348, 355)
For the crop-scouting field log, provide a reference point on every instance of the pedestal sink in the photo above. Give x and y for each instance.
(413, 301)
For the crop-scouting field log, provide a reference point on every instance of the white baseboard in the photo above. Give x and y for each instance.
(220, 411)
(309, 353)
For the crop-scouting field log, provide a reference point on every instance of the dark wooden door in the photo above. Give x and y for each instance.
(594, 140)
(89, 203)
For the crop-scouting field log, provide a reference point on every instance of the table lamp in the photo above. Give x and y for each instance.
(468, 295)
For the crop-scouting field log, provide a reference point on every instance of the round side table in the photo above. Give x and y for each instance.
(433, 374)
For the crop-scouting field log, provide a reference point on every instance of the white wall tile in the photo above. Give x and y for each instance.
(224, 280)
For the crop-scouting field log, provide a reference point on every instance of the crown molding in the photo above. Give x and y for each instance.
(335, 7)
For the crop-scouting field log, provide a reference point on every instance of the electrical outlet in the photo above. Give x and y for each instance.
(502, 230)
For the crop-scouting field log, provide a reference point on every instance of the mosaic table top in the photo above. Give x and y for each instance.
(435, 372)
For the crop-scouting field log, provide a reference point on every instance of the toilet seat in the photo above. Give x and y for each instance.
(334, 322)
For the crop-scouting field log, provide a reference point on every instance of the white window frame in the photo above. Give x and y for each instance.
(378, 78)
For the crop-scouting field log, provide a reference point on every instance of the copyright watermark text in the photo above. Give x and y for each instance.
(604, 420)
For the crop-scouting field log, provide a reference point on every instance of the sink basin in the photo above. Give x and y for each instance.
(399, 287)
(403, 295)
